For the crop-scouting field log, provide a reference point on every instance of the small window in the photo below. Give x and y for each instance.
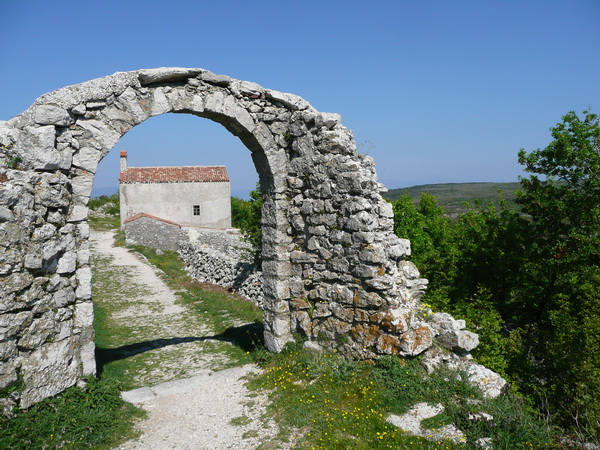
(196, 210)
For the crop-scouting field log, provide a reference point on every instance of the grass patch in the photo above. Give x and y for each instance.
(222, 309)
(250, 434)
(332, 403)
(240, 421)
(94, 416)
(104, 223)
(435, 422)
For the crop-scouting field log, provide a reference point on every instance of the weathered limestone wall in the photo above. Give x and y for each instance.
(229, 268)
(332, 267)
(217, 256)
(226, 240)
(150, 231)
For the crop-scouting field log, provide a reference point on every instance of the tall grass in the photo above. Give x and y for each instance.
(94, 416)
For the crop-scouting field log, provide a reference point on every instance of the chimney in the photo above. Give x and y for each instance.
(123, 161)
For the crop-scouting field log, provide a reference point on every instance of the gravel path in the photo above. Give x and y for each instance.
(209, 410)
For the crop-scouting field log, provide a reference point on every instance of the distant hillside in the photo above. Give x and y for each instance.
(453, 195)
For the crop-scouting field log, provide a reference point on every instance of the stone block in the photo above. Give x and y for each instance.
(368, 299)
(399, 250)
(84, 283)
(160, 104)
(345, 314)
(459, 341)
(282, 268)
(87, 158)
(395, 321)
(322, 309)
(300, 321)
(14, 283)
(444, 322)
(83, 316)
(52, 115)
(78, 213)
(276, 288)
(330, 120)
(290, 101)
(8, 350)
(388, 344)
(166, 74)
(82, 183)
(491, 384)
(48, 371)
(6, 214)
(8, 373)
(87, 357)
(38, 144)
(365, 271)
(63, 297)
(12, 325)
(381, 283)
(416, 341)
(365, 335)
(79, 110)
(372, 253)
(212, 78)
(38, 332)
(67, 263)
(103, 137)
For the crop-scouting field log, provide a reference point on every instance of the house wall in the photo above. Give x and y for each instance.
(174, 201)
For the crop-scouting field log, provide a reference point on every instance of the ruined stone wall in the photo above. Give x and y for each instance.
(226, 240)
(150, 231)
(217, 256)
(227, 268)
(332, 268)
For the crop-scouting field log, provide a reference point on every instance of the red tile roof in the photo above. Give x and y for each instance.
(149, 216)
(199, 174)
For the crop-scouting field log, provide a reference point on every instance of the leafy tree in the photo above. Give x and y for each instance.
(491, 243)
(564, 295)
(246, 215)
(528, 282)
(429, 233)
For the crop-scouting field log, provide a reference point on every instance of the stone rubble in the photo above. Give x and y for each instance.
(411, 423)
(333, 270)
(491, 384)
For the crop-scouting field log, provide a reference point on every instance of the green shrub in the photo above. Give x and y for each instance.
(94, 416)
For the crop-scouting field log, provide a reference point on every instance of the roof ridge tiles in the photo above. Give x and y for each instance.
(175, 174)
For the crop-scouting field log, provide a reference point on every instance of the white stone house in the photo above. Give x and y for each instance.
(197, 196)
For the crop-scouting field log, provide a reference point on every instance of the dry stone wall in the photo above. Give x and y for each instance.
(229, 268)
(332, 268)
(149, 231)
(210, 255)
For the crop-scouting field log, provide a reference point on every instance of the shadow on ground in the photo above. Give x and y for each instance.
(248, 337)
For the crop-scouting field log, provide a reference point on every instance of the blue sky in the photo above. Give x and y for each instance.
(434, 90)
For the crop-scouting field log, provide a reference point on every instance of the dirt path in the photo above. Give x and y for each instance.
(197, 408)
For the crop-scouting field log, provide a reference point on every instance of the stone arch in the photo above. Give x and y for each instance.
(333, 269)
